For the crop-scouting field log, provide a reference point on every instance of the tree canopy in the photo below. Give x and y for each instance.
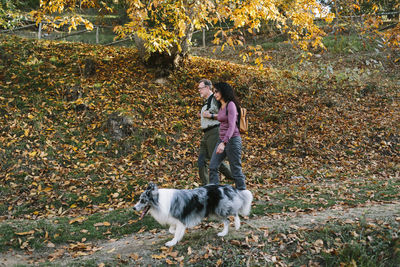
(166, 26)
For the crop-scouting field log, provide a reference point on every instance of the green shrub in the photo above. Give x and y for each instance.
(346, 44)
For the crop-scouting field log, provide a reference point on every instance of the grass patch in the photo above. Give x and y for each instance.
(310, 196)
(35, 234)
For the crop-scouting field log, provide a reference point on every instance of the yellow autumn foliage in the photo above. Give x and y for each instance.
(166, 26)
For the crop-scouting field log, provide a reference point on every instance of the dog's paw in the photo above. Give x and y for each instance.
(170, 243)
(237, 225)
(222, 233)
(172, 230)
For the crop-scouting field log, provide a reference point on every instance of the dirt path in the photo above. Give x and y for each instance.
(144, 244)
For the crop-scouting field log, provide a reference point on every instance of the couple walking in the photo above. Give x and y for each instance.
(221, 137)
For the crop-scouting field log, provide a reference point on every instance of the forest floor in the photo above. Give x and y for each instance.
(141, 246)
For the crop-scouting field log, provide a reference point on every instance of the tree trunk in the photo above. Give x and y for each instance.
(164, 61)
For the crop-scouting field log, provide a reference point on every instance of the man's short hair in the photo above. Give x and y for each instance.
(206, 82)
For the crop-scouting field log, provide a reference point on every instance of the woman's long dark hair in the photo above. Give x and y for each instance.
(228, 94)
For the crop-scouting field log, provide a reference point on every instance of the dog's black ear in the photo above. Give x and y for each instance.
(151, 186)
(152, 192)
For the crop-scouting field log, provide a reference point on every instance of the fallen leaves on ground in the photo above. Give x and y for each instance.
(308, 132)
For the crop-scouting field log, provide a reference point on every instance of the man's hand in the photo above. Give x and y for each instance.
(206, 114)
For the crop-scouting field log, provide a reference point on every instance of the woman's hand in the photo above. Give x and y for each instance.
(220, 148)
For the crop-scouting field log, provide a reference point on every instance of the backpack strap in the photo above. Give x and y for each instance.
(209, 100)
(226, 111)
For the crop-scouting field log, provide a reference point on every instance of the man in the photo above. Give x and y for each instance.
(210, 127)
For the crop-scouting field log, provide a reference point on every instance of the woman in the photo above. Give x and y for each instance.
(229, 143)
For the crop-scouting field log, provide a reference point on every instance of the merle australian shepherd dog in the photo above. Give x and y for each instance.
(181, 209)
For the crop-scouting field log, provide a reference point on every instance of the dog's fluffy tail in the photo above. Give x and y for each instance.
(247, 197)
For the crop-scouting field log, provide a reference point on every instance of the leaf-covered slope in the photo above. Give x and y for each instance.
(56, 156)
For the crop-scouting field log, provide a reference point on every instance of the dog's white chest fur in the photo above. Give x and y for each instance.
(161, 213)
